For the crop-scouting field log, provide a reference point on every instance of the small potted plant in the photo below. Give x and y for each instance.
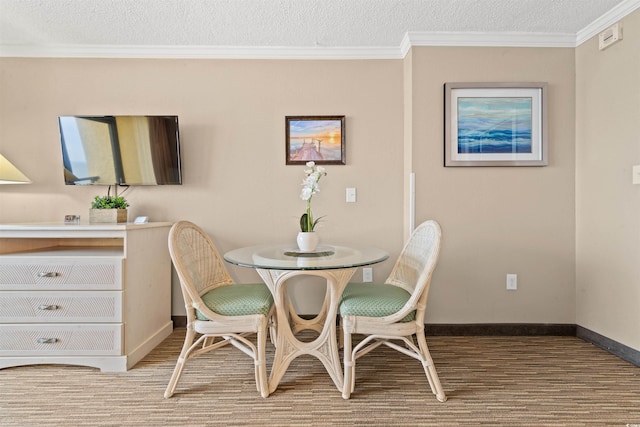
(108, 209)
(307, 239)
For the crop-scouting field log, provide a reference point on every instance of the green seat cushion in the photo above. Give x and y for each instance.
(238, 300)
(374, 300)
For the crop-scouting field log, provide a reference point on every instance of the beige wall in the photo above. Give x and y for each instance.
(504, 219)
(608, 225)
(232, 122)
(236, 185)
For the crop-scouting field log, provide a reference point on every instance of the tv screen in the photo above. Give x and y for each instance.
(120, 150)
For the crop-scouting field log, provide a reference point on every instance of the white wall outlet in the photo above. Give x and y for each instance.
(636, 175)
(351, 195)
(367, 274)
(512, 282)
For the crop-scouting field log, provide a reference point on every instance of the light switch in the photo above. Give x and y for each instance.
(351, 195)
(636, 174)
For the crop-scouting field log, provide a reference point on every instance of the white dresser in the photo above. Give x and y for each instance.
(83, 294)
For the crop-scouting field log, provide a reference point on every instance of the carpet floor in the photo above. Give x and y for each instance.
(513, 381)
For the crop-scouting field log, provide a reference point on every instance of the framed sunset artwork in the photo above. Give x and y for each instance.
(320, 139)
(495, 124)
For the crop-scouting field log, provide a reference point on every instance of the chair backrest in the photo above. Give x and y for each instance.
(414, 267)
(196, 260)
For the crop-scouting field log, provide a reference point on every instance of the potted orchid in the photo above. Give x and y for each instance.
(310, 187)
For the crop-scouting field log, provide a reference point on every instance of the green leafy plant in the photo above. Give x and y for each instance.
(109, 202)
(309, 188)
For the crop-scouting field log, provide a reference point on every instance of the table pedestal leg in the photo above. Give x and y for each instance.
(325, 346)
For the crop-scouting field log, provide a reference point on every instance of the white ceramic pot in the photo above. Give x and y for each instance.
(307, 241)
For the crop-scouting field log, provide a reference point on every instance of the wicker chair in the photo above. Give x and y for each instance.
(394, 310)
(217, 308)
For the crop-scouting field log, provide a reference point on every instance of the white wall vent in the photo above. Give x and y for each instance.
(610, 36)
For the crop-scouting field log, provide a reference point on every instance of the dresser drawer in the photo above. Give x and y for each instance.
(31, 273)
(60, 306)
(60, 340)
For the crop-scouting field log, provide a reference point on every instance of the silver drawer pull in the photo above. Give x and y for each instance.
(48, 307)
(48, 274)
(47, 340)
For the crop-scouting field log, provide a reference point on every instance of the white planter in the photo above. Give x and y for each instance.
(308, 241)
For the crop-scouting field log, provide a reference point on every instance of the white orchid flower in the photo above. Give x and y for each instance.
(309, 188)
(306, 194)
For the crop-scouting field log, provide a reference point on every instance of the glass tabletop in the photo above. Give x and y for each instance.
(289, 257)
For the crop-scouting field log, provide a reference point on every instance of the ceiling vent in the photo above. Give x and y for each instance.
(610, 36)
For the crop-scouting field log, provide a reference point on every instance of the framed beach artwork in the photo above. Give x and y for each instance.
(495, 124)
(320, 139)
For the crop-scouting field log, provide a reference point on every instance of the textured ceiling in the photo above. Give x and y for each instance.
(281, 23)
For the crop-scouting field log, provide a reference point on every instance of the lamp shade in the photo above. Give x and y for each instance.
(10, 174)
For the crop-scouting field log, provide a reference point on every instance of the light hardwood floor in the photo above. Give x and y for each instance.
(514, 381)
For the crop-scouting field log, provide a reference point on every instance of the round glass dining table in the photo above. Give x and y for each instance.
(276, 264)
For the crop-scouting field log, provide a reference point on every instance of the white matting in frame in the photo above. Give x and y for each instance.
(495, 124)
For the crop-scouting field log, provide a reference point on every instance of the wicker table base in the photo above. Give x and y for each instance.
(325, 346)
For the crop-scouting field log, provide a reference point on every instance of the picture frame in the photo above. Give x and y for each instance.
(320, 139)
(495, 124)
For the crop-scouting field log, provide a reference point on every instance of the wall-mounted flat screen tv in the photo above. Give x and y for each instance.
(120, 150)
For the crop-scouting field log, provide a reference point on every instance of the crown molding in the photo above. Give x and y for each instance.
(498, 39)
(410, 39)
(197, 52)
(606, 20)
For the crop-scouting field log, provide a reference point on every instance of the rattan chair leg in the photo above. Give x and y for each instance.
(430, 369)
(261, 366)
(182, 359)
(349, 366)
